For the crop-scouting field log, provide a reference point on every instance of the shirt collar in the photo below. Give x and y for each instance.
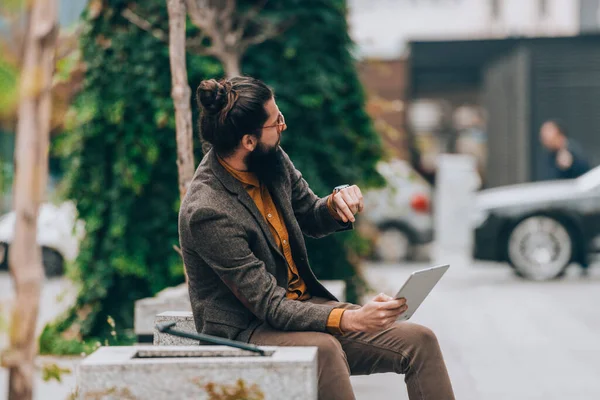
(247, 178)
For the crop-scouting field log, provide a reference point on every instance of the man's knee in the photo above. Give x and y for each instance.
(424, 336)
(329, 348)
(327, 344)
(422, 343)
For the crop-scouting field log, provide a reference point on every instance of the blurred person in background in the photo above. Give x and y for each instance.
(566, 159)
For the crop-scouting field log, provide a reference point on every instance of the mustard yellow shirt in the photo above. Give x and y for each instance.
(297, 289)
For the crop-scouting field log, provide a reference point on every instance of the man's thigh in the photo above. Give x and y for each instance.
(391, 350)
(266, 335)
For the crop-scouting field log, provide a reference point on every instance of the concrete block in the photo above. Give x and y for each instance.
(191, 372)
(174, 298)
(184, 322)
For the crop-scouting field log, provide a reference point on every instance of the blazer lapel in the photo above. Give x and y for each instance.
(236, 188)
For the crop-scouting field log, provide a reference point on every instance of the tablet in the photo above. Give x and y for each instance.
(417, 287)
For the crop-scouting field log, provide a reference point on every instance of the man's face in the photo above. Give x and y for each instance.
(273, 127)
(551, 137)
(264, 160)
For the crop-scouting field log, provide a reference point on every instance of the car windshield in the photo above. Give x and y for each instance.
(589, 180)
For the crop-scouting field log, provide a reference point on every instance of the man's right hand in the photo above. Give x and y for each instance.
(375, 316)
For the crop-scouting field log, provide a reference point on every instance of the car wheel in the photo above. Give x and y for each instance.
(392, 246)
(540, 248)
(54, 264)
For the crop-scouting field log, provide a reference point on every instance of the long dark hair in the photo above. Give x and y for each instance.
(230, 109)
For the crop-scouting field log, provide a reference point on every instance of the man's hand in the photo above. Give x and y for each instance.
(347, 203)
(564, 159)
(375, 316)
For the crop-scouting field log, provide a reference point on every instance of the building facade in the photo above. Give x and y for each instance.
(451, 55)
(382, 28)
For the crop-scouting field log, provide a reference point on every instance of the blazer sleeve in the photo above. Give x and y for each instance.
(312, 213)
(223, 244)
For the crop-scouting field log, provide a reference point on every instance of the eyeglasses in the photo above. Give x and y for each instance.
(280, 124)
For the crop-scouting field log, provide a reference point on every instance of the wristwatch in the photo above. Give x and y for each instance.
(338, 188)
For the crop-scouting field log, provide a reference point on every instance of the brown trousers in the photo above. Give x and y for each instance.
(405, 348)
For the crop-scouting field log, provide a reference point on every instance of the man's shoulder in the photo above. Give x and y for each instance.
(204, 193)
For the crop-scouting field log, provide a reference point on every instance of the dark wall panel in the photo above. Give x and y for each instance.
(506, 99)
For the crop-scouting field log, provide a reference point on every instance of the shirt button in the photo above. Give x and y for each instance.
(269, 215)
(284, 242)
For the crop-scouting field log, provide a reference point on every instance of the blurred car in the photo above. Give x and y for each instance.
(397, 218)
(540, 228)
(58, 234)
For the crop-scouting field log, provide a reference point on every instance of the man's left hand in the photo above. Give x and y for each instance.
(348, 202)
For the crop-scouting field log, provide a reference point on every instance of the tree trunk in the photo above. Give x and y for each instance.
(231, 64)
(31, 173)
(181, 94)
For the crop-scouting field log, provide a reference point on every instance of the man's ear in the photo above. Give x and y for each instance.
(249, 142)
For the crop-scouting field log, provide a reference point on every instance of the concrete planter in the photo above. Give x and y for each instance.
(192, 372)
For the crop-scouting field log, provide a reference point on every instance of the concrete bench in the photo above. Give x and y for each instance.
(176, 299)
(192, 372)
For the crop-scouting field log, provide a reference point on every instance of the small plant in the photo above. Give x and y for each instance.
(54, 371)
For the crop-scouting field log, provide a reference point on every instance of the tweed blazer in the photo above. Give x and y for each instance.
(237, 276)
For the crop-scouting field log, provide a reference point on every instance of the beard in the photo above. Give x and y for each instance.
(265, 162)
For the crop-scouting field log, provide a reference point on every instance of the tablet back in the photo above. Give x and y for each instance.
(417, 287)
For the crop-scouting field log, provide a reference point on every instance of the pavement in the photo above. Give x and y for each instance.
(502, 337)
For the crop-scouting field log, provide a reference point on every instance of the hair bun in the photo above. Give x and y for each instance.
(212, 95)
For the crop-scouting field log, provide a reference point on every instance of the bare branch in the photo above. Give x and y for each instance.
(144, 25)
(230, 6)
(220, 21)
(268, 32)
(69, 44)
(227, 15)
(178, 251)
(248, 16)
(201, 15)
(196, 45)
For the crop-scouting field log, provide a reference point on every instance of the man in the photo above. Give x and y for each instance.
(565, 160)
(241, 230)
(565, 157)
